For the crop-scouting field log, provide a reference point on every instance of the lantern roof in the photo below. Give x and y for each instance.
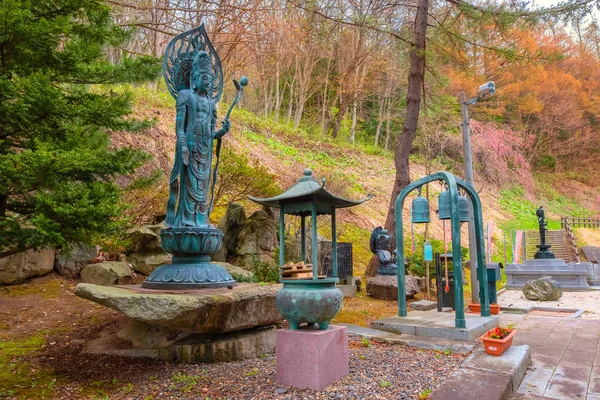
(298, 199)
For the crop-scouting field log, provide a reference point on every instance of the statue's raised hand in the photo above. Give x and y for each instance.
(185, 154)
(224, 129)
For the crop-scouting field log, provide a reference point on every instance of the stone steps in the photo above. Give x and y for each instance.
(554, 238)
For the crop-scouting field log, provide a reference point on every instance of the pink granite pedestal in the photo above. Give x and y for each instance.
(309, 358)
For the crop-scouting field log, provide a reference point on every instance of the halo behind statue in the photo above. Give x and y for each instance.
(180, 53)
(373, 239)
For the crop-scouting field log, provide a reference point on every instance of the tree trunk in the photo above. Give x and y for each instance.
(388, 120)
(277, 94)
(416, 76)
(379, 118)
(413, 106)
(3, 205)
(353, 129)
(324, 105)
(291, 105)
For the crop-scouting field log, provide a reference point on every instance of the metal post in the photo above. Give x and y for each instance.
(402, 312)
(459, 302)
(314, 240)
(504, 241)
(303, 238)
(334, 255)
(468, 167)
(281, 238)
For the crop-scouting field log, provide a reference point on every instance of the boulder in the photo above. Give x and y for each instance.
(144, 239)
(542, 289)
(220, 255)
(232, 269)
(201, 311)
(386, 287)
(107, 273)
(69, 262)
(145, 263)
(231, 224)
(257, 239)
(22, 266)
(141, 340)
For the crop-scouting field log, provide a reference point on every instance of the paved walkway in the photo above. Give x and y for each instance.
(565, 355)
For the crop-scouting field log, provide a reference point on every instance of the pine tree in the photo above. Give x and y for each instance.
(57, 167)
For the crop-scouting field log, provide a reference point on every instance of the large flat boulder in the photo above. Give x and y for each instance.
(107, 273)
(201, 311)
(28, 264)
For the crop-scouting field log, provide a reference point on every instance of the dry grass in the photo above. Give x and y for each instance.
(363, 309)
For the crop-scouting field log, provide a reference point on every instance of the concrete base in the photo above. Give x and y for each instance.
(348, 290)
(486, 377)
(423, 305)
(312, 358)
(570, 276)
(438, 325)
(441, 345)
(140, 340)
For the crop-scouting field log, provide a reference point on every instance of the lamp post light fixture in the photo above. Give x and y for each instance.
(485, 91)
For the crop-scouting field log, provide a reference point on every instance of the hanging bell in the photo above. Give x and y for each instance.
(445, 211)
(419, 212)
(463, 209)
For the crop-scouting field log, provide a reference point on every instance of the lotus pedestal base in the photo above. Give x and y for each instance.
(191, 267)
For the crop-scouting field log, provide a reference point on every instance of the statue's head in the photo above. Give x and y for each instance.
(540, 212)
(201, 78)
(384, 240)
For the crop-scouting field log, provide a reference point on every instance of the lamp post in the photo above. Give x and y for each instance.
(485, 91)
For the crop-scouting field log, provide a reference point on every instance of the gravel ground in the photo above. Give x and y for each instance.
(589, 301)
(380, 371)
(59, 369)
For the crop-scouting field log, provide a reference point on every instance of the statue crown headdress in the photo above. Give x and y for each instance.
(202, 62)
(188, 51)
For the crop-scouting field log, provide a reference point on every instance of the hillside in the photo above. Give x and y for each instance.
(353, 171)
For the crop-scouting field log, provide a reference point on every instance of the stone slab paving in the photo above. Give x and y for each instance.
(565, 356)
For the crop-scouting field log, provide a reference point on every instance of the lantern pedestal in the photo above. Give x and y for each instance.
(310, 358)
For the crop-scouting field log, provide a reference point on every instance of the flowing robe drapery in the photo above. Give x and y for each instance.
(189, 197)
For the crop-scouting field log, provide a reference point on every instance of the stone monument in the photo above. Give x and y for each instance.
(571, 276)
